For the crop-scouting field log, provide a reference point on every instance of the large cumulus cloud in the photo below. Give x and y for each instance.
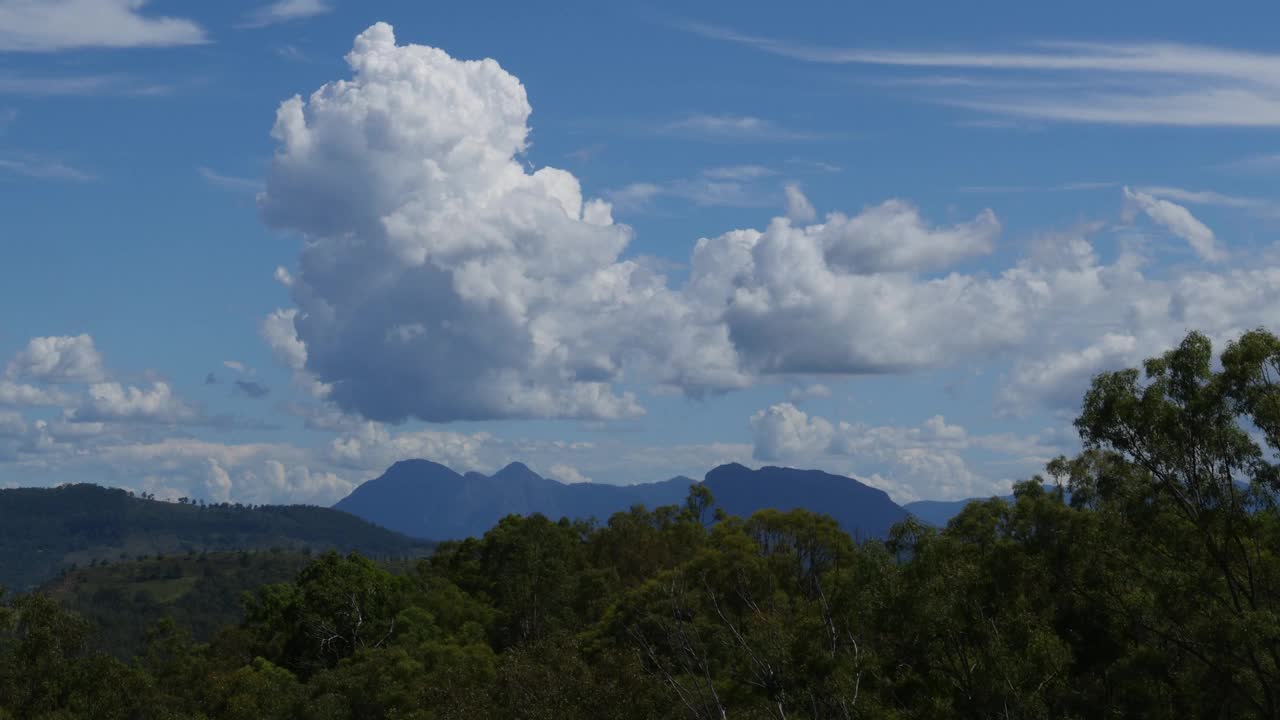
(441, 280)
(851, 295)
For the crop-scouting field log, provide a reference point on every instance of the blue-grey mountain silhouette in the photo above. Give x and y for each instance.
(424, 499)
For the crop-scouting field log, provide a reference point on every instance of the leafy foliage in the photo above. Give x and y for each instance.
(200, 592)
(1144, 582)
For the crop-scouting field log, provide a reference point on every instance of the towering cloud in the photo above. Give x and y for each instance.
(439, 279)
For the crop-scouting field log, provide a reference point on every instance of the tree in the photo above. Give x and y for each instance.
(1208, 520)
(338, 607)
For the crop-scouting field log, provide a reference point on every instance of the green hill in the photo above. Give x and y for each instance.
(46, 531)
(201, 592)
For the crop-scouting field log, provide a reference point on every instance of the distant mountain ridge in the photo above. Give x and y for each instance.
(45, 530)
(940, 512)
(425, 499)
(428, 500)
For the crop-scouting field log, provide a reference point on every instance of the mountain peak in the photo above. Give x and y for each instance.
(418, 466)
(428, 500)
(516, 471)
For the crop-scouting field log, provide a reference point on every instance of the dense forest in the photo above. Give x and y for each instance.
(45, 531)
(1153, 592)
(200, 592)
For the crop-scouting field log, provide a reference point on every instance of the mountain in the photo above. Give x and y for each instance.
(44, 531)
(861, 510)
(424, 499)
(940, 512)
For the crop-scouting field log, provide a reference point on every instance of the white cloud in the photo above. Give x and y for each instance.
(893, 237)
(44, 169)
(258, 473)
(1059, 380)
(1089, 82)
(736, 186)
(635, 195)
(567, 474)
(845, 296)
(230, 182)
(43, 85)
(441, 280)
(371, 447)
(799, 209)
(929, 461)
(1177, 220)
(235, 365)
(738, 172)
(1106, 317)
(48, 25)
(732, 128)
(1259, 206)
(512, 283)
(1208, 107)
(286, 10)
(785, 431)
(1260, 163)
(1202, 197)
(114, 402)
(57, 359)
(278, 331)
(406, 184)
(217, 484)
(810, 392)
(23, 395)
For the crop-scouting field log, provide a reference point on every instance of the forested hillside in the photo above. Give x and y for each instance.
(1154, 592)
(200, 592)
(44, 531)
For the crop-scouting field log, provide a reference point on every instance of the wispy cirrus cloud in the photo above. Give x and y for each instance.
(43, 169)
(52, 25)
(230, 182)
(1170, 84)
(731, 186)
(733, 128)
(44, 85)
(739, 172)
(1178, 220)
(1261, 163)
(285, 11)
(1078, 186)
(1214, 199)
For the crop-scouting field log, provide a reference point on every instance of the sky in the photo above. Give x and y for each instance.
(258, 251)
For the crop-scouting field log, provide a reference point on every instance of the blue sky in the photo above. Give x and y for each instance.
(893, 243)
